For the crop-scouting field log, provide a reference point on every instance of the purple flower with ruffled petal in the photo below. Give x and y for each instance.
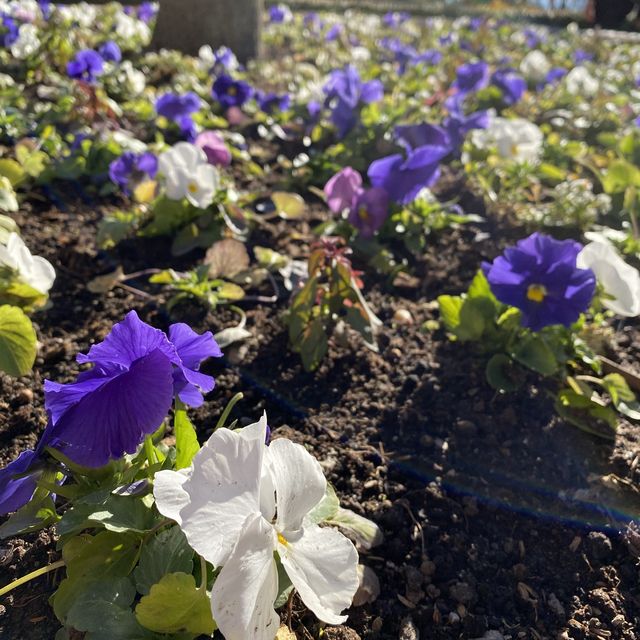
(8, 30)
(132, 167)
(539, 276)
(394, 19)
(279, 14)
(87, 65)
(174, 106)
(556, 74)
(369, 211)
(334, 33)
(413, 136)
(471, 76)
(214, 147)
(137, 372)
(403, 178)
(231, 93)
(457, 124)
(146, 12)
(511, 84)
(270, 102)
(345, 93)
(110, 51)
(343, 189)
(580, 56)
(16, 488)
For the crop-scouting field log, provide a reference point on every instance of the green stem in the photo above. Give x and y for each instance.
(227, 410)
(31, 576)
(203, 571)
(149, 451)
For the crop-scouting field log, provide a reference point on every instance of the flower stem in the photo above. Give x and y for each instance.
(31, 576)
(149, 451)
(227, 410)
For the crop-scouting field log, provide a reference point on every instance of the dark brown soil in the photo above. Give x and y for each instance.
(500, 520)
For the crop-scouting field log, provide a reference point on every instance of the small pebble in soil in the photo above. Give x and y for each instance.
(402, 317)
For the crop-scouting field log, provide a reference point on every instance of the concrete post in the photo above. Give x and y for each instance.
(186, 25)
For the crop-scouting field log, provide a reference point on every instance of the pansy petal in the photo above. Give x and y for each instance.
(244, 592)
(192, 347)
(322, 565)
(224, 489)
(168, 491)
(298, 481)
(16, 492)
(113, 419)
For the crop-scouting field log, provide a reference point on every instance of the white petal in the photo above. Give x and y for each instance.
(323, 566)
(170, 497)
(42, 274)
(244, 592)
(223, 489)
(298, 481)
(188, 155)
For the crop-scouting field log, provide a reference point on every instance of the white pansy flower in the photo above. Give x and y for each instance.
(206, 57)
(188, 174)
(619, 279)
(535, 66)
(128, 27)
(242, 501)
(133, 78)
(580, 82)
(27, 43)
(514, 139)
(34, 271)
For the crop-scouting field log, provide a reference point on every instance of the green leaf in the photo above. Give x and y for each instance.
(622, 397)
(586, 414)
(365, 533)
(167, 552)
(18, 342)
(12, 170)
(186, 439)
(175, 605)
(90, 558)
(450, 307)
(534, 353)
(326, 508)
(313, 345)
(288, 205)
(480, 288)
(620, 175)
(502, 374)
(103, 609)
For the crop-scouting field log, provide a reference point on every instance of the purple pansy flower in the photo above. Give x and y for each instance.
(214, 147)
(557, 73)
(580, 56)
(110, 51)
(345, 93)
(343, 189)
(369, 211)
(87, 65)
(394, 19)
(8, 30)
(269, 102)
(15, 492)
(403, 178)
(132, 167)
(137, 372)
(231, 93)
(279, 14)
(334, 33)
(146, 11)
(457, 124)
(471, 76)
(511, 84)
(539, 276)
(174, 106)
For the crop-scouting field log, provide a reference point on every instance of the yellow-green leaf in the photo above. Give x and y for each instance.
(18, 342)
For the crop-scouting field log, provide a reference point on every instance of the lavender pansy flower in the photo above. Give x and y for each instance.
(137, 372)
(214, 147)
(557, 73)
(87, 65)
(369, 211)
(280, 13)
(334, 33)
(343, 189)
(9, 30)
(146, 12)
(580, 56)
(231, 93)
(539, 276)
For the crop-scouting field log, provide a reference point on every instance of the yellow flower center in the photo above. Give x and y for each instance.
(192, 187)
(363, 214)
(536, 292)
(232, 91)
(282, 540)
